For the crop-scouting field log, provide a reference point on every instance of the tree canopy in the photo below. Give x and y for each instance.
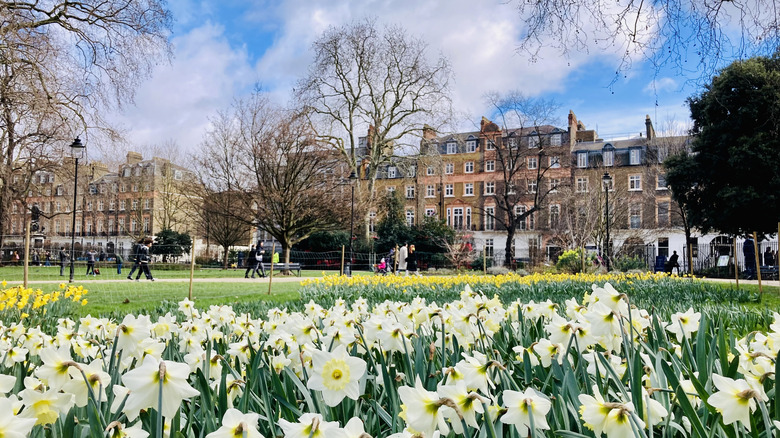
(731, 181)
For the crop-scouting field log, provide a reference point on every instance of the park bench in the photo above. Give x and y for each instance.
(769, 272)
(283, 267)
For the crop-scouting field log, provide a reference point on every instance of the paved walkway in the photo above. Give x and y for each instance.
(82, 281)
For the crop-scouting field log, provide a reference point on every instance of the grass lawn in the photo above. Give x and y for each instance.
(132, 297)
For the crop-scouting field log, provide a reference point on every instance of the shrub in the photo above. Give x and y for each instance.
(625, 264)
(570, 261)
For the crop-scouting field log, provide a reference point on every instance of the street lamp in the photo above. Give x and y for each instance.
(352, 178)
(607, 179)
(76, 148)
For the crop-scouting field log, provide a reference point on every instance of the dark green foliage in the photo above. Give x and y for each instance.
(430, 235)
(732, 180)
(321, 241)
(169, 243)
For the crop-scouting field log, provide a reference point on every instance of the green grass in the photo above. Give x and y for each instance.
(770, 299)
(119, 299)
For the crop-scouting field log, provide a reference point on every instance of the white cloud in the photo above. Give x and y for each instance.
(661, 85)
(177, 102)
(212, 65)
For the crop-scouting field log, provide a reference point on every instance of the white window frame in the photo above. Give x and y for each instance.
(410, 217)
(468, 167)
(430, 170)
(468, 189)
(582, 184)
(430, 212)
(635, 157)
(631, 209)
(490, 218)
(452, 147)
(635, 183)
(556, 140)
(533, 163)
(554, 184)
(471, 145)
(391, 172)
(430, 191)
(490, 188)
(582, 160)
(555, 212)
(490, 166)
(409, 192)
(532, 186)
(390, 189)
(555, 162)
(661, 179)
(533, 141)
(608, 158)
(490, 145)
(449, 168)
(449, 190)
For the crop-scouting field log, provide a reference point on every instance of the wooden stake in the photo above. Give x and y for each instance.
(271, 273)
(736, 264)
(690, 258)
(758, 265)
(27, 253)
(192, 269)
(342, 259)
(484, 262)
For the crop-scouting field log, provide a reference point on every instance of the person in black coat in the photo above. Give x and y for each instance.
(144, 258)
(411, 261)
(250, 262)
(136, 260)
(673, 263)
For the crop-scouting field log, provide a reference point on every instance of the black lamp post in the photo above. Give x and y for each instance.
(352, 178)
(76, 147)
(607, 179)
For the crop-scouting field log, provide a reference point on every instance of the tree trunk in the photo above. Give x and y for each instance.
(508, 249)
(225, 257)
(286, 257)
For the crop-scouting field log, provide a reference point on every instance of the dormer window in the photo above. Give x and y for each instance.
(452, 147)
(391, 172)
(608, 154)
(533, 141)
(555, 140)
(471, 145)
(635, 156)
(582, 160)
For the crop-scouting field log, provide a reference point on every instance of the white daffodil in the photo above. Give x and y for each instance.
(98, 380)
(117, 430)
(520, 406)
(54, 370)
(145, 384)
(45, 406)
(236, 424)
(312, 426)
(469, 404)
(7, 383)
(354, 428)
(683, 325)
(613, 419)
(132, 332)
(11, 425)
(735, 400)
(336, 374)
(422, 408)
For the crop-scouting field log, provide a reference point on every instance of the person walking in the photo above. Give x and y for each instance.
(403, 253)
(64, 256)
(259, 252)
(119, 260)
(90, 262)
(144, 259)
(411, 262)
(250, 262)
(136, 260)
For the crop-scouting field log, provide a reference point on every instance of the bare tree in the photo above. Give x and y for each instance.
(378, 83)
(295, 185)
(527, 170)
(682, 34)
(63, 64)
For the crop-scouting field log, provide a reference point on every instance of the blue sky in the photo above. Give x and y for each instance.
(223, 48)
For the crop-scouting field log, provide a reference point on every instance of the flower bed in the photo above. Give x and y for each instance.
(470, 366)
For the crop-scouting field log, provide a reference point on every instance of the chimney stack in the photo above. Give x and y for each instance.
(649, 128)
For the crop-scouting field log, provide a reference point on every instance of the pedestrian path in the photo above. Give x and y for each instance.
(277, 279)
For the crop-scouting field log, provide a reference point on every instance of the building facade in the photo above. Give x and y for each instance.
(113, 208)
